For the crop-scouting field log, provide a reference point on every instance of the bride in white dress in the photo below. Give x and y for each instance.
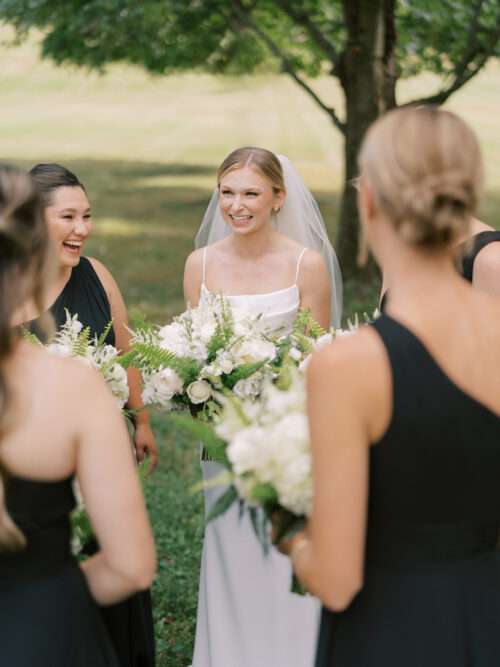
(258, 237)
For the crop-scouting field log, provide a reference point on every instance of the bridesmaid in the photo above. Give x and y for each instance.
(55, 414)
(246, 614)
(480, 263)
(405, 424)
(84, 286)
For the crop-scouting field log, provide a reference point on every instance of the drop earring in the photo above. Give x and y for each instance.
(274, 216)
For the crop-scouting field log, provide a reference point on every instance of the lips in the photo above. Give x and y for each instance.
(72, 246)
(241, 220)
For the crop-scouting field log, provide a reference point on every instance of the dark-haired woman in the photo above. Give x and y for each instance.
(85, 287)
(401, 545)
(54, 416)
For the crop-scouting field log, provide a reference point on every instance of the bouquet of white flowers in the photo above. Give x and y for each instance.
(204, 351)
(73, 340)
(264, 443)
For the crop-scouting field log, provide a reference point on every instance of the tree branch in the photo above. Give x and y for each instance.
(463, 72)
(286, 64)
(303, 19)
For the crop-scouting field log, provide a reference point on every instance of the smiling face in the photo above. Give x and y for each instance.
(69, 222)
(247, 199)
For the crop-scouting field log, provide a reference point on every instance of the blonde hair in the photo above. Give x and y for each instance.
(425, 168)
(260, 159)
(25, 261)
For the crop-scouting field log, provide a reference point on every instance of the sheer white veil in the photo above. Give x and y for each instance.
(299, 219)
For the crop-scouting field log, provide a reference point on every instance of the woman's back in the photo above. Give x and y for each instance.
(41, 586)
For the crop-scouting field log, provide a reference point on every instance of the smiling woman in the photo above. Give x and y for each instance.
(85, 287)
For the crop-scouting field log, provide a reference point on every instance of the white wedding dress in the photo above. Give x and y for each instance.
(247, 616)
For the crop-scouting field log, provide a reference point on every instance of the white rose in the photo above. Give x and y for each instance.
(199, 391)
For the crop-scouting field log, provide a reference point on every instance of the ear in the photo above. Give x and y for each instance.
(279, 200)
(366, 200)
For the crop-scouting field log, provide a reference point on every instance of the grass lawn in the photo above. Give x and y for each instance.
(147, 150)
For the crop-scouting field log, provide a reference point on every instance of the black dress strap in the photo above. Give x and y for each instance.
(479, 241)
(84, 295)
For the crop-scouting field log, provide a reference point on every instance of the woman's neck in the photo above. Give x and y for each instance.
(254, 245)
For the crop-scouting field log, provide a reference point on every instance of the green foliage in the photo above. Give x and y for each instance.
(102, 338)
(166, 36)
(265, 494)
(204, 432)
(154, 358)
(223, 503)
(30, 337)
(223, 332)
(242, 373)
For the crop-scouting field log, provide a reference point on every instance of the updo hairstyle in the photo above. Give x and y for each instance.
(425, 169)
(25, 264)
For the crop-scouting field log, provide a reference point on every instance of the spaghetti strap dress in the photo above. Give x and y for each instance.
(431, 595)
(129, 623)
(47, 615)
(247, 616)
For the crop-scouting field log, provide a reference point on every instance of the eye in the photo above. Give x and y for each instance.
(67, 216)
(226, 193)
(87, 216)
(252, 194)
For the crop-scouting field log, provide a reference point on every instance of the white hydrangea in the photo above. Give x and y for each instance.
(269, 443)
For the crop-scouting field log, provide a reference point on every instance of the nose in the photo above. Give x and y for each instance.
(236, 203)
(82, 226)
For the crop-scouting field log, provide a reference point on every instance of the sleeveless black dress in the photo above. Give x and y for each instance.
(479, 241)
(431, 596)
(129, 623)
(47, 615)
(466, 264)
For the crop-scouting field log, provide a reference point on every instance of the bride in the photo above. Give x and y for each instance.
(263, 245)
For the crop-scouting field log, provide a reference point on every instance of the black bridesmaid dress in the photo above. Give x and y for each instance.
(431, 596)
(466, 263)
(129, 623)
(47, 615)
(479, 241)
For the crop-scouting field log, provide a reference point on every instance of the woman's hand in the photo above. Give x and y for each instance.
(287, 544)
(145, 444)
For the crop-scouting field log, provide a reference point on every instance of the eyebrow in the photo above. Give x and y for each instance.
(73, 210)
(256, 188)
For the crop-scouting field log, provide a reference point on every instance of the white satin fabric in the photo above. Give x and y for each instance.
(247, 616)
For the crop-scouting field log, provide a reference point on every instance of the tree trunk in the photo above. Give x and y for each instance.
(368, 81)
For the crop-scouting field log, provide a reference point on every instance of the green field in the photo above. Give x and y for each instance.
(147, 150)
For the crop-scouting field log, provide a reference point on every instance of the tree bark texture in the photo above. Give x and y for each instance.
(367, 76)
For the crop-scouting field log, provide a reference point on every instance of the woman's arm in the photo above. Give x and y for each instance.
(113, 497)
(144, 439)
(486, 274)
(347, 411)
(314, 287)
(193, 271)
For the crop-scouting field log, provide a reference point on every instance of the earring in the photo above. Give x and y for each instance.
(274, 216)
